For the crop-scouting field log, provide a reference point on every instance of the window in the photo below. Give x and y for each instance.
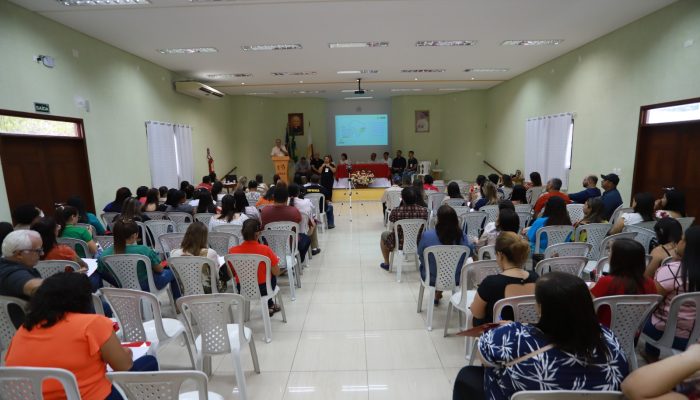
(678, 113)
(18, 125)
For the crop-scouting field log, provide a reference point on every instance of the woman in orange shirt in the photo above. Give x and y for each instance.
(48, 229)
(59, 332)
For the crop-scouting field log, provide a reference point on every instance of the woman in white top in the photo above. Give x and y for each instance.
(228, 214)
(306, 208)
(196, 243)
(643, 205)
(243, 206)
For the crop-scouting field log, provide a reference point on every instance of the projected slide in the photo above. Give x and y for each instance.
(361, 130)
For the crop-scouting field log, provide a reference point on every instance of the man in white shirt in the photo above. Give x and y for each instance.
(279, 150)
(387, 159)
(373, 158)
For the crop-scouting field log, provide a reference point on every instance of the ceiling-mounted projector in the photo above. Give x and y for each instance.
(359, 89)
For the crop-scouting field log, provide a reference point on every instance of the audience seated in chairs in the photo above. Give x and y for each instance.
(132, 210)
(267, 199)
(627, 262)
(511, 255)
(534, 187)
(489, 196)
(590, 190)
(305, 207)
(67, 218)
(25, 215)
(453, 192)
(116, 205)
(262, 186)
(555, 213)
(177, 202)
(671, 280)
(671, 204)
(85, 217)
(314, 186)
(592, 214)
(421, 197)
(21, 251)
(611, 196)
(518, 195)
(281, 212)
(206, 202)
(152, 201)
(60, 332)
(409, 209)
(507, 221)
(252, 191)
(162, 193)
(205, 184)
(447, 232)
(126, 234)
(428, 183)
(668, 233)
(216, 189)
(243, 206)
(566, 350)
(643, 206)
(553, 190)
(229, 214)
(48, 229)
(196, 243)
(506, 186)
(475, 195)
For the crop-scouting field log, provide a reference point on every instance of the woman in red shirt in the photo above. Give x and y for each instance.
(627, 264)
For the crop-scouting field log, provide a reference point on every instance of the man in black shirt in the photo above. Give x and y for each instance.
(315, 187)
(412, 164)
(316, 163)
(399, 164)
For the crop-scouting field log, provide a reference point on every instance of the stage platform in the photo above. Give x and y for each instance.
(369, 194)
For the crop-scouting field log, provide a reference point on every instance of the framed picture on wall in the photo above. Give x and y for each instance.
(422, 121)
(295, 124)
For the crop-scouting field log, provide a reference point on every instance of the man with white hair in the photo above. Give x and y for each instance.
(21, 251)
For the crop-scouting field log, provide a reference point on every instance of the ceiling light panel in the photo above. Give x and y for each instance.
(445, 43)
(228, 76)
(359, 72)
(103, 2)
(423, 71)
(452, 89)
(357, 45)
(268, 47)
(406, 90)
(189, 50)
(308, 91)
(260, 93)
(295, 73)
(544, 42)
(359, 98)
(487, 70)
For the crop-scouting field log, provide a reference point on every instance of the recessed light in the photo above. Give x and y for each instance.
(225, 76)
(297, 73)
(407, 90)
(472, 78)
(242, 83)
(415, 79)
(543, 42)
(359, 71)
(357, 45)
(265, 47)
(354, 90)
(189, 50)
(103, 2)
(423, 71)
(301, 81)
(441, 43)
(359, 98)
(487, 70)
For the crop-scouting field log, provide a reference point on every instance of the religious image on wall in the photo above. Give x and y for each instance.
(422, 121)
(295, 122)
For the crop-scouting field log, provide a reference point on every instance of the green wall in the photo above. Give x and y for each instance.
(604, 82)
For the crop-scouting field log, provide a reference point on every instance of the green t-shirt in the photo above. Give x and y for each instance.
(77, 232)
(132, 249)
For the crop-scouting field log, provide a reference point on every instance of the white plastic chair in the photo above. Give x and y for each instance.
(479, 270)
(475, 222)
(491, 212)
(203, 218)
(233, 229)
(644, 236)
(294, 227)
(619, 211)
(7, 327)
(319, 201)
(490, 250)
(156, 215)
(567, 395)
(595, 234)
(393, 201)
(155, 228)
(76, 244)
(686, 222)
(455, 202)
(628, 314)
(189, 273)
(410, 231)
(524, 217)
(573, 265)
(575, 212)
(108, 219)
(282, 244)
(533, 194)
(606, 244)
(460, 301)
(555, 234)
(163, 385)
(128, 306)
(646, 224)
(219, 319)
(48, 268)
(170, 241)
(568, 249)
(435, 201)
(25, 383)
(179, 217)
(446, 260)
(523, 208)
(104, 241)
(665, 342)
(246, 267)
(221, 242)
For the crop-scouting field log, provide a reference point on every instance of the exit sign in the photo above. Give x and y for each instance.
(42, 107)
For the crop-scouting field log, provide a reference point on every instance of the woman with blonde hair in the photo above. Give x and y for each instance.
(196, 243)
(490, 196)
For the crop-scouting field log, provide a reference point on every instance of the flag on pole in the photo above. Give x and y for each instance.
(309, 143)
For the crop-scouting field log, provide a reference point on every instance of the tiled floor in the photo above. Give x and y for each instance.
(352, 333)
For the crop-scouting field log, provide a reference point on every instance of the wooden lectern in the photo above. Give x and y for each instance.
(281, 165)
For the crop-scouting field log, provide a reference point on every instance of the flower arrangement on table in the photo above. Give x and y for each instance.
(362, 178)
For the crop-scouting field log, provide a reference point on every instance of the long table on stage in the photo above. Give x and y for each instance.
(380, 170)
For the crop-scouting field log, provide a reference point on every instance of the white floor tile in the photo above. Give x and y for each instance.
(337, 293)
(424, 384)
(387, 316)
(331, 351)
(335, 317)
(404, 349)
(342, 385)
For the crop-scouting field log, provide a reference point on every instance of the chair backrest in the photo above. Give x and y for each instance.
(533, 194)
(127, 307)
(246, 267)
(424, 167)
(170, 241)
(7, 326)
(189, 271)
(108, 218)
(211, 313)
(568, 249)
(182, 226)
(606, 244)
(446, 259)
(222, 241)
(230, 228)
(555, 234)
(573, 265)
(104, 241)
(667, 338)
(455, 202)
(595, 233)
(575, 212)
(52, 267)
(475, 222)
(155, 228)
(567, 395)
(156, 215)
(203, 217)
(125, 266)
(644, 236)
(435, 200)
(282, 243)
(393, 199)
(179, 217)
(318, 200)
(491, 212)
(161, 385)
(646, 224)
(619, 211)
(252, 197)
(523, 208)
(628, 313)
(283, 226)
(487, 250)
(479, 270)
(686, 222)
(461, 210)
(410, 229)
(524, 217)
(76, 244)
(524, 309)
(24, 383)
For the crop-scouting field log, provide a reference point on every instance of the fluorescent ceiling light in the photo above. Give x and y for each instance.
(357, 45)
(359, 98)
(543, 42)
(189, 50)
(354, 90)
(422, 71)
(452, 89)
(443, 43)
(259, 93)
(295, 73)
(225, 76)
(359, 71)
(103, 2)
(308, 91)
(265, 47)
(406, 90)
(487, 70)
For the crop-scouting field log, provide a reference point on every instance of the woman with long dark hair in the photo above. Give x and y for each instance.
(229, 213)
(447, 232)
(177, 202)
(507, 187)
(60, 331)
(131, 210)
(243, 206)
(152, 200)
(206, 202)
(593, 213)
(535, 188)
(643, 206)
(116, 205)
(673, 279)
(453, 192)
(85, 217)
(668, 233)
(554, 214)
(627, 262)
(48, 229)
(566, 350)
(67, 218)
(420, 191)
(518, 195)
(671, 204)
(267, 198)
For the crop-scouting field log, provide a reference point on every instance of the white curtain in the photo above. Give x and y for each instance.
(548, 142)
(161, 154)
(183, 139)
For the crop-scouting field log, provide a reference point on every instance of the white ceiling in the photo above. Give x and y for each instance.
(228, 25)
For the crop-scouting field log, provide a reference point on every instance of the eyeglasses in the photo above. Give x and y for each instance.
(37, 251)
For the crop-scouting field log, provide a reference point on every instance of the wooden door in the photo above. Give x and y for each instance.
(45, 170)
